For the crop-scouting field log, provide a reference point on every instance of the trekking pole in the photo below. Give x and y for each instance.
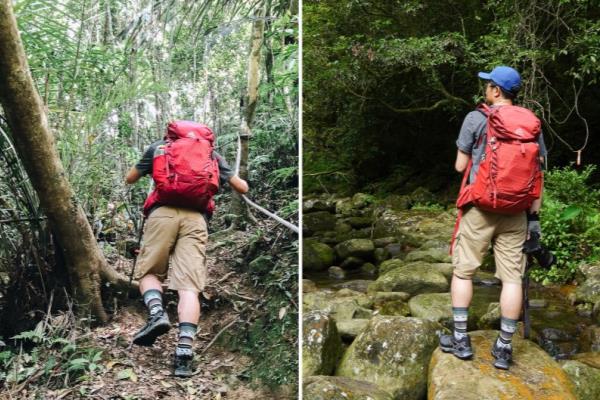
(526, 319)
(135, 254)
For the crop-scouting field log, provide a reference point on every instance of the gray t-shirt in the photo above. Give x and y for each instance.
(473, 127)
(144, 166)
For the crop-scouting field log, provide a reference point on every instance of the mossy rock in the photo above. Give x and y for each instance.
(342, 305)
(390, 265)
(393, 308)
(351, 328)
(412, 278)
(321, 344)
(534, 375)
(380, 255)
(351, 263)
(361, 248)
(308, 286)
(360, 222)
(429, 255)
(393, 353)
(312, 205)
(318, 221)
(432, 306)
(316, 256)
(586, 379)
(589, 291)
(491, 319)
(340, 388)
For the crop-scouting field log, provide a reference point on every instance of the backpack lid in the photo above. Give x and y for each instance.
(189, 129)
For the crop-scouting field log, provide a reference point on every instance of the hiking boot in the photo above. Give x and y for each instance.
(503, 356)
(460, 348)
(183, 364)
(158, 324)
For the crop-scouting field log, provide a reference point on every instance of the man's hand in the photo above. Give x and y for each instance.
(132, 176)
(238, 184)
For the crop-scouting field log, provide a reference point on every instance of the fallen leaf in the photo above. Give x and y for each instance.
(127, 374)
(166, 384)
(282, 312)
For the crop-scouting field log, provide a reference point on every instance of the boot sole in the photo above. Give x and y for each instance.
(183, 374)
(499, 365)
(150, 337)
(461, 355)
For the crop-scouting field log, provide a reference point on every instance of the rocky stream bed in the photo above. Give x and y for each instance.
(376, 297)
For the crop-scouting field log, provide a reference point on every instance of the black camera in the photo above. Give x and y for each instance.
(533, 246)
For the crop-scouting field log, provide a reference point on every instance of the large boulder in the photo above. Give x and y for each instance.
(393, 353)
(343, 305)
(318, 221)
(588, 291)
(412, 278)
(361, 248)
(585, 378)
(429, 255)
(491, 319)
(432, 306)
(339, 388)
(533, 375)
(316, 256)
(351, 328)
(321, 344)
(389, 265)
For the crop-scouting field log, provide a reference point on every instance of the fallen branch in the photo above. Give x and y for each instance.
(220, 333)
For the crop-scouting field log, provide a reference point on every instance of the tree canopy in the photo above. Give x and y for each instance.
(387, 84)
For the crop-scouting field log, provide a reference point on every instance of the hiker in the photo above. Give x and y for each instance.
(500, 151)
(186, 171)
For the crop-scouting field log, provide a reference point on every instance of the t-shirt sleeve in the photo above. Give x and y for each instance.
(225, 170)
(543, 150)
(144, 166)
(468, 130)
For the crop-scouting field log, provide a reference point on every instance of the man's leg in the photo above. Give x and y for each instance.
(474, 234)
(189, 314)
(510, 267)
(151, 270)
(461, 291)
(188, 277)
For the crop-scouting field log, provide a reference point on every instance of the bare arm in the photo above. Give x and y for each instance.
(238, 184)
(462, 159)
(132, 176)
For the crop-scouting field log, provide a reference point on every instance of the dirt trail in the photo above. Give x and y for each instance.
(137, 373)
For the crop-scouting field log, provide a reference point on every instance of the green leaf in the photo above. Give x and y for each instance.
(127, 374)
(570, 213)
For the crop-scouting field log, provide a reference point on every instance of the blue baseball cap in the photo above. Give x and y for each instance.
(506, 77)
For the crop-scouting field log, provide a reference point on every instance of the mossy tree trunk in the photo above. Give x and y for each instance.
(35, 145)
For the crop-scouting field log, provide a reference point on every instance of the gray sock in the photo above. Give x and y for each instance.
(153, 300)
(508, 327)
(461, 315)
(187, 332)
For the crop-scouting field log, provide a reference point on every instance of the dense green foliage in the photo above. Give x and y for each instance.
(387, 84)
(570, 222)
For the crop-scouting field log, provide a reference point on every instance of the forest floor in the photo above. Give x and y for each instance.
(134, 373)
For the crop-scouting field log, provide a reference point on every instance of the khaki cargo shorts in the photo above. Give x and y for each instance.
(506, 233)
(179, 235)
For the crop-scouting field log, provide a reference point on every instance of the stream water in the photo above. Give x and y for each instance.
(555, 323)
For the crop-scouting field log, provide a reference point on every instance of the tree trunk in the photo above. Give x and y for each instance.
(35, 144)
(250, 101)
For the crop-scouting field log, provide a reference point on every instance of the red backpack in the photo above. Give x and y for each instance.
(509, 178)
(184, 170)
